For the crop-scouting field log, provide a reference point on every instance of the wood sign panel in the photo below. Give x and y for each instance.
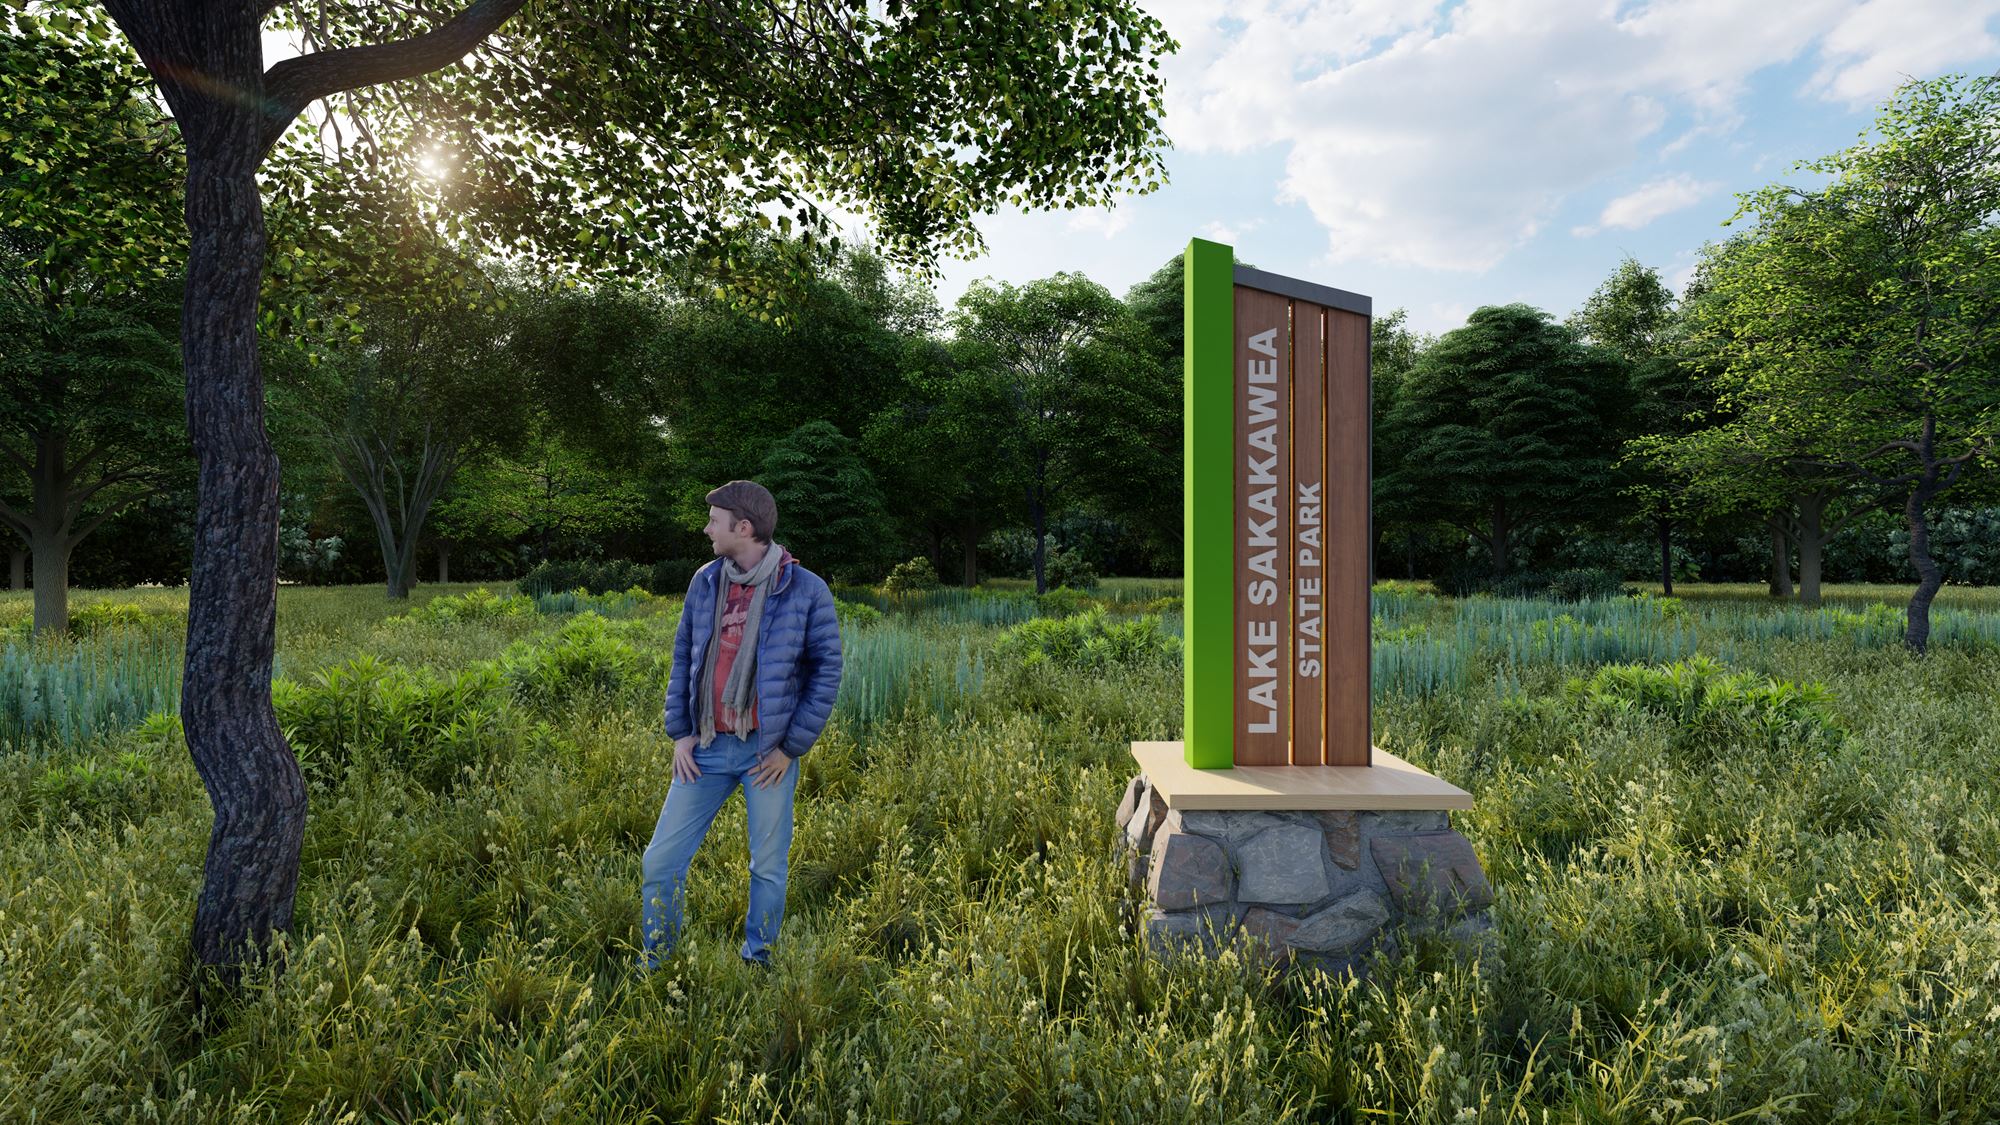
(1278, 533)
(1263, 537)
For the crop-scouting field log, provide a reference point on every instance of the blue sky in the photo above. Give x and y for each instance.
(1442, 156)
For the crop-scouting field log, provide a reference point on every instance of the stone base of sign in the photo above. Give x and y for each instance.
(1311, 886)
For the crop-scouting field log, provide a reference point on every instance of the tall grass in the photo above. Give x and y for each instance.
(74, 692)
(1752, 890)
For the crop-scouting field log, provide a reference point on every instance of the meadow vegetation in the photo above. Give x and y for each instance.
(1743, 852)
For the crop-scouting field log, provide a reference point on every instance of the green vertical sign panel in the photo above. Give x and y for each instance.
(1209, 499)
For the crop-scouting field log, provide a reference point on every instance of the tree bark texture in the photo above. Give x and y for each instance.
(208, 61)
(207, 58)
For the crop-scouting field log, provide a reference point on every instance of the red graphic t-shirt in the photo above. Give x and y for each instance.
(735, 612)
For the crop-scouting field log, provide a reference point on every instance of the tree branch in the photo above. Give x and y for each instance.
(15, 520)
(292, 85)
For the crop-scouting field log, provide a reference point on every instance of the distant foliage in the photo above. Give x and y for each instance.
(916, 574)
(593, 577)
(1966, 542)
(1572, 585)
(1090, 640)
(618, 604)
(1712, 710)
(1070, 569)
(668, 577)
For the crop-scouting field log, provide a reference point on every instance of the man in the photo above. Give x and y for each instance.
(756, 669)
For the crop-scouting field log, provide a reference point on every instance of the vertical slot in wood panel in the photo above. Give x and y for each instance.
(1347, 540)
(1308, 517)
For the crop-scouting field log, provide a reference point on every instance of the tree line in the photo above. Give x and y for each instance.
(1830, 362)
(1827, 368)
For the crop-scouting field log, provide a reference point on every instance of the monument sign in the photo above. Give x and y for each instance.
(1277, 518)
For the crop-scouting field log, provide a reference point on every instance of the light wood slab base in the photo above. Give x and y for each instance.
(1391, 783)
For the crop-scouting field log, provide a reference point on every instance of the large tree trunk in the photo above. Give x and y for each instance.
(1781, 560)
(1666, 530)
(1498, 543)
(51, 585)
(250, 875)
(208, 61)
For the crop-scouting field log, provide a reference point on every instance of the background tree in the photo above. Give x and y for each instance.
(1043, 342)
(549, 497)
(833, 511)
(1633, 314)
(1393, 352)
(1857, 319)
(934, 444)
(616, 129)
(1505, 424)
(89, 382)
(423, 391)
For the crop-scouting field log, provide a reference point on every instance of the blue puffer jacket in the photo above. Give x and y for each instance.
(798, 658)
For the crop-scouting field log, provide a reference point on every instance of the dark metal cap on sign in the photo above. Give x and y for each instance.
(1325, 296)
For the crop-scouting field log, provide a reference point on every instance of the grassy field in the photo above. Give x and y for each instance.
(1745, 858)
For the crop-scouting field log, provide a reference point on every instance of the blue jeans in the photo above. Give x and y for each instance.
(689, 809)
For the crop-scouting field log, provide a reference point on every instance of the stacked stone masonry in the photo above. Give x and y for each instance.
(1320, 887)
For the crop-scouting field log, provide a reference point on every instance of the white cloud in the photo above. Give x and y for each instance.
(1229, 233)
(1445, 139)
(1642, 205)
(1882, 42)
(1107, 221)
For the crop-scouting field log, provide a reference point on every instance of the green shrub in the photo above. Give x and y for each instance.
(1585, 584)
(369, 712)
(1062, 601)
(586, 657)
(856, 613)
(1089, 640)
(1713, 710)
(95, 789)
(617, 604)
(99, 617)
(916, 574)
(481, 604)
(1070, 569)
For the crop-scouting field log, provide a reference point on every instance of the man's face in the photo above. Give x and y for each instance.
(729, 534)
